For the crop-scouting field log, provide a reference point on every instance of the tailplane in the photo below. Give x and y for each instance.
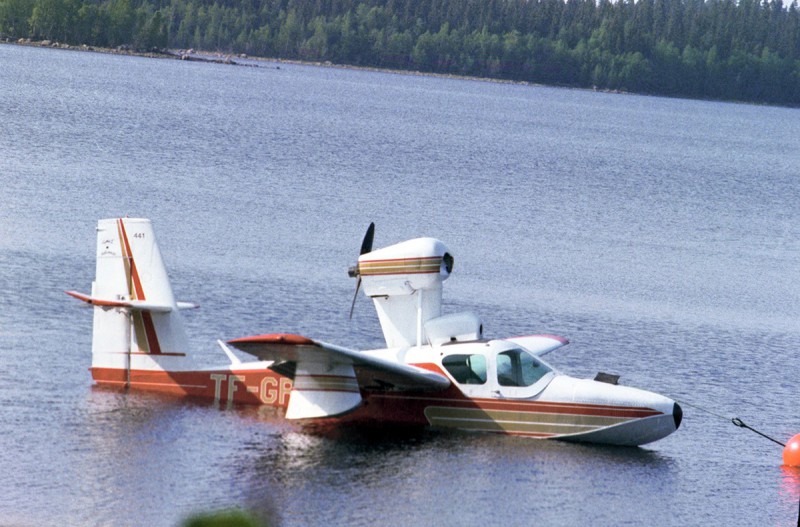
(137, 324)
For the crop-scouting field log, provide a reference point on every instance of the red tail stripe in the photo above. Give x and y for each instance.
(137, 284)
(150, 331)
(147, 319)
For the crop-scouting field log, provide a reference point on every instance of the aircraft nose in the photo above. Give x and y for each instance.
(677, 415)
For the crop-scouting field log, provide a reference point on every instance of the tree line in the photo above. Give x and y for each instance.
(746, 50)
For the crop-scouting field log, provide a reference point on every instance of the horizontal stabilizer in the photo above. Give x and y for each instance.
(540, 344)
(138, 305)
(369, 370)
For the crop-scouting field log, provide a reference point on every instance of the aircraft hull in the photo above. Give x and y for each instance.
(450, 409)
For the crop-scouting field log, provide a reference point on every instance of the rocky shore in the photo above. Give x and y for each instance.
(189, 54)
(237, 60)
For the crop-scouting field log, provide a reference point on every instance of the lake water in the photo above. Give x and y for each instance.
(661, 236)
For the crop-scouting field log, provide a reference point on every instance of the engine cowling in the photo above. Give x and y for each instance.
(405, 283)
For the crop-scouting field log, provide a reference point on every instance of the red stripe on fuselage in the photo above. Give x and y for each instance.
(403, 272)
(168, 354)
(256, 387)
(265, 387)
(595, 410)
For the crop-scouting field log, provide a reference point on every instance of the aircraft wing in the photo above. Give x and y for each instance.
(370, 371)
(540, 344)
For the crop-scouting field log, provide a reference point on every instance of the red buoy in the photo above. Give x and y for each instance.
(791, 452)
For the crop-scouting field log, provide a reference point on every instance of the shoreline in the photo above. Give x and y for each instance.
(120, 50)
(232, 59)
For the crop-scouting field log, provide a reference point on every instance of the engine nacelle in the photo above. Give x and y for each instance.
(405, 282)
(403, 268)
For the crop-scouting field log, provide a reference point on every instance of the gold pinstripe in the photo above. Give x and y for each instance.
(401, 266)
(517, 422)
(327, 383)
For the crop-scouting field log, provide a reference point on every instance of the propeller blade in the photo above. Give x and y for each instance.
(353, 305)
(366, 247)
(366, 244)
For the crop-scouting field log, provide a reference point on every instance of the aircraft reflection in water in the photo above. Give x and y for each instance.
(436, 370)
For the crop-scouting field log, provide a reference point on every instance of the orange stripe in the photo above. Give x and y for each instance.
(137, 283)
(372, 273)
(150, 331)
(167, 354)
(201, 384)
(274, 338)
(137, 293)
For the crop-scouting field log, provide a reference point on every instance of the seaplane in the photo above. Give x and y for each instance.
(437, 370)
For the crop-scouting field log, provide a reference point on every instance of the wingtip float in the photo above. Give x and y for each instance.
(436, 370)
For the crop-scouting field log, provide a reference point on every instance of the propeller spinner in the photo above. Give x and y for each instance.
(366, 246)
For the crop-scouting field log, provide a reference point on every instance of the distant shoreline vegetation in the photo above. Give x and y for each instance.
(745, 50)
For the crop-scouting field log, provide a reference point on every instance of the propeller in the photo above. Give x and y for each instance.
(366, 246)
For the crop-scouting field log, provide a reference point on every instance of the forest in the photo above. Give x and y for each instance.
(745, 50)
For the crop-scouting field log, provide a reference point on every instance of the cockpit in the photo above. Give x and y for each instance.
(519, 368)
(466, 369)
(499, 368)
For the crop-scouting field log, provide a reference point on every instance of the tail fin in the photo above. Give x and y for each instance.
(137, 323)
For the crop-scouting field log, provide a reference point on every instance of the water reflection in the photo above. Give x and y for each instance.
(790, 483)
(380, 471)
(790, 490)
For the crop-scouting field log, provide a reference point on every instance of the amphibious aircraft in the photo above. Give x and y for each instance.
(437, 369)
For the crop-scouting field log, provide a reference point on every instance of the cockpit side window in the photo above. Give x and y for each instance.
(466, 369)
(518, 368)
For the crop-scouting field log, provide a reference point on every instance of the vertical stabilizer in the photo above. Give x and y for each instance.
(137, 324)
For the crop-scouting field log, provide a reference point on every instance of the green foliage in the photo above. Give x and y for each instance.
(232, 518)
(15, 17)
(728, 49)
(53, 19)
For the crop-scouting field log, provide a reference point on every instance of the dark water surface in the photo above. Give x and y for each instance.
(661, 236)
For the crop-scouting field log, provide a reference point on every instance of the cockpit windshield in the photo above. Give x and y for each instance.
(466, 369)
(517, 367)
